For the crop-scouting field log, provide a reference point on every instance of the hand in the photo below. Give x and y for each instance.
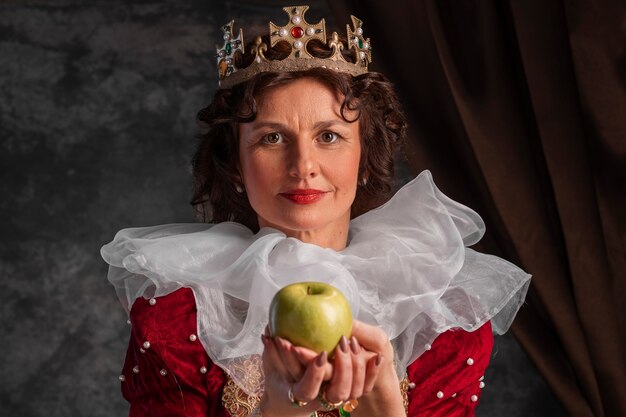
(350, 374)
(381, 392)
(374, 339)
(280, 377)
(356, 363)
(385, 398)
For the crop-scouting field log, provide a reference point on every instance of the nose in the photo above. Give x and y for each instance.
(303, 159)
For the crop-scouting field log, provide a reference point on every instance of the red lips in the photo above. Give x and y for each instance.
(304, 196)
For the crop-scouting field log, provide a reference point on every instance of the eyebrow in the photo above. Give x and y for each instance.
(328, 123)
(256, 125)
(323, 124)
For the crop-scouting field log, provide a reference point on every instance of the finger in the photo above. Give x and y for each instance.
(289, 359)
(373, 370)
(359, 366)
(341, 383)
(372, 338)
(306, 356)
(271, 358)
(309, 386)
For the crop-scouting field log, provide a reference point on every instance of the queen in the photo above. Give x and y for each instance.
(293, 182)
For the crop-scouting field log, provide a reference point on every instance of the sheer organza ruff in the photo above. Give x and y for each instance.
(407, 269)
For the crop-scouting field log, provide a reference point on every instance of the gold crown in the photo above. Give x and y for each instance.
(298, 32)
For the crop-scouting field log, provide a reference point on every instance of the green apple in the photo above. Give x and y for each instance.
(311, 314)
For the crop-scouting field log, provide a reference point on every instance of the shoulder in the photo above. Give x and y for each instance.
(150, 314)
(448, 376)
(165, 355)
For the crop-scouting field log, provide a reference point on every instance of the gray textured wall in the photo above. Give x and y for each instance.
(97, 107)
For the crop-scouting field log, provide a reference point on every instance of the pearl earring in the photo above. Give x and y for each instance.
(239, 188)
(363, 181)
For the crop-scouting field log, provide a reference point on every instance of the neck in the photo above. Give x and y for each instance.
(333, 236)
(337, 241)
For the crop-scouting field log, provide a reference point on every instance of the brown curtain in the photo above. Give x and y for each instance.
(519, 109)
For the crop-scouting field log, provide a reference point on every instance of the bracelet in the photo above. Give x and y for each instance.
(342, 413)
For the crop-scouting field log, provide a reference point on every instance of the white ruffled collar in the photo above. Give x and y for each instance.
(407, 269)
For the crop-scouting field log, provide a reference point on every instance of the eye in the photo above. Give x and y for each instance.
(329, 137)
(273, 138)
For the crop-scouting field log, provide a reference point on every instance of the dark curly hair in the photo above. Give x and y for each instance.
(382, 127)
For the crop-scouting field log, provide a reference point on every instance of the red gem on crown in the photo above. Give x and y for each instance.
(297, 32)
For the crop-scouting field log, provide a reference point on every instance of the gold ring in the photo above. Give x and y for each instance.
(327, 404)
(293, 401)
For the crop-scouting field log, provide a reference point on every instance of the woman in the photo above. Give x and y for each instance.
(294, 165)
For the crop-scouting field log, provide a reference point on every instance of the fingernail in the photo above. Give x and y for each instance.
(343, 344)
(321, 359)
(282, 343)
(354, 344)
(379, 359)
(265, 340)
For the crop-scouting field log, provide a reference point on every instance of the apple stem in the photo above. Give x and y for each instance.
(309, 290)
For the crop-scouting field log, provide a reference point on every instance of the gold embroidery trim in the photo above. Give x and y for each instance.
(404, 389)
(236, 401)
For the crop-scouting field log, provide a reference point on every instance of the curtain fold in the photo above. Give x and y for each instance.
(519, 109)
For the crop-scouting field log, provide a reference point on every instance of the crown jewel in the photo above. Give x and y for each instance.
(297, 32)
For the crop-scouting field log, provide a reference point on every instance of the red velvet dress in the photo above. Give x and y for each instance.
(168, 373)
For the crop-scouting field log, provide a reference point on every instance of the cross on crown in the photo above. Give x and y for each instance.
(298, 32)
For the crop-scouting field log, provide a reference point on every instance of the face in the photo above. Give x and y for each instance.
(300, 161)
